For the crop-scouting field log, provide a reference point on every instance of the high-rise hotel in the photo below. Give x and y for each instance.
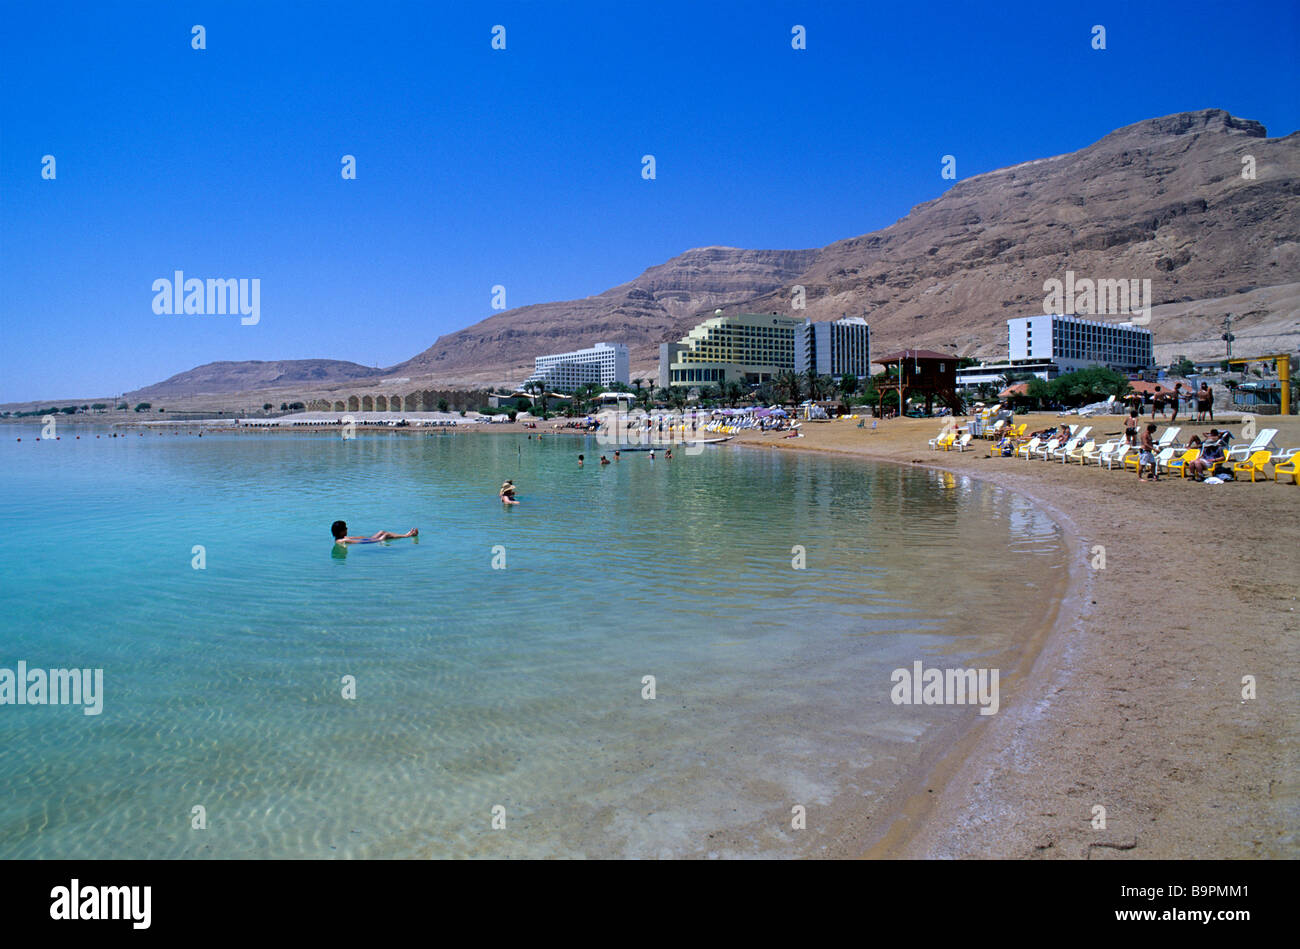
(1072, 342)
(752, 348)
(603, 365)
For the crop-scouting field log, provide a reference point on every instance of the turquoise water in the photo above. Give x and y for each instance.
(480, 688)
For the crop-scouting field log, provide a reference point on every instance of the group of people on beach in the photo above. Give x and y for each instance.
(1212, 448)
(1162, 402)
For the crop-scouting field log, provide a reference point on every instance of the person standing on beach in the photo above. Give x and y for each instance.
(1178, 397)
(1131, 427)
(1204, 403)
(1147, 453)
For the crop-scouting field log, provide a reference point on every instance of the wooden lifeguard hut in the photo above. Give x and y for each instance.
(922, 372)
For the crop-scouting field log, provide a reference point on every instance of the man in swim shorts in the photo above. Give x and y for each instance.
(1147, 454)
(340, 531)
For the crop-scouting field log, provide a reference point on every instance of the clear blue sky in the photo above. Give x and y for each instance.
(520, 167)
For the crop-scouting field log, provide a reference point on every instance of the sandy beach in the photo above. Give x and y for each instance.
(1135, 700)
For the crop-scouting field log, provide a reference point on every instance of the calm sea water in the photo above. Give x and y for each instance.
(514, 692)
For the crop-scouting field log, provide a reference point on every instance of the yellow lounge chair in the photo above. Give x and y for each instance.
(1181, 461)
(1287, 467)
(1254, 464)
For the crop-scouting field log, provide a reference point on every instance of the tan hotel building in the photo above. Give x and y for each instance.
(750, 348)
(747, 348)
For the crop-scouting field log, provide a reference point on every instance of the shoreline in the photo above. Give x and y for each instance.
(1127, 694)
(1025, 786)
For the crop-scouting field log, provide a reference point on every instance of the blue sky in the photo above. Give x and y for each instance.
(521, 167)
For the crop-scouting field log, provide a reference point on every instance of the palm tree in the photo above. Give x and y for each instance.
(538, 388)
(731, 392)
(790, 383)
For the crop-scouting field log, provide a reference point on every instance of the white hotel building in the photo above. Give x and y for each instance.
(603, 365)
(1072, 342)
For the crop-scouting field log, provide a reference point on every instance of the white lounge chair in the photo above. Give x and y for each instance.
(1047, 448)
(1262, 441)
(1083, 454)
(1104, 452)
(1116, 457)
(1028, 448)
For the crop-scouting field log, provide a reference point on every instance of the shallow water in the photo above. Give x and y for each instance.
(478, 688)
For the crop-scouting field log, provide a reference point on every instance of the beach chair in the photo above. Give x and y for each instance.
(942, 440)
(1162, 458)
(1050, 446)
(1028, 448)
(1254, 464)
(1084, 454)
(1263, 440)
(961, 443)
(1167, 438)
(1062, 450)
(1179, 464)
(1118, 456)
(1006, 442)
(1104, 452)
(1287, 467)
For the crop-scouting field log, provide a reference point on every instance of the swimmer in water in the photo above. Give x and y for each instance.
(604, 460)
(507, 492)
(340, 531)
(580, 460)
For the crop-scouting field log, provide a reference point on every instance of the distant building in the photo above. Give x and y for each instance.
(837, 348)
(668, 353)
(603, 365)
(748, 348)
(995, 373)
(1072, 342)
(752, 348)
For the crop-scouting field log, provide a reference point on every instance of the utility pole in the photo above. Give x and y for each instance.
(1227, 336)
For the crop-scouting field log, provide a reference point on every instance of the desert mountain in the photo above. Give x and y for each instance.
(1172, 200)
(220, 378)
(641, 313)
(1164, 199)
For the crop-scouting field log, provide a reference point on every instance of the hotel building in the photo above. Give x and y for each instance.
(837, 348)
(1072, 342)
(751, 348)
(604, 364)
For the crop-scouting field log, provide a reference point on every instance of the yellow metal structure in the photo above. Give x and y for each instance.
(1283, 363)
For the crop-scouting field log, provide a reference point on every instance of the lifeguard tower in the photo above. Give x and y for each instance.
(922, 372)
